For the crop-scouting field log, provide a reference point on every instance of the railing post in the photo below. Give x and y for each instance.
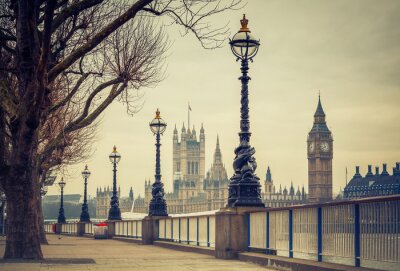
(172, 229)
(187, 222)
(319, 233)
(290, 233)
(248, 231)
(197, 233)
(165, 229)
(137, 225)
(179, 230)
(208, 231)
(357, 235)
(267, 232)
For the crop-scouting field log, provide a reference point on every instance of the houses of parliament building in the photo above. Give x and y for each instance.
(194, 190)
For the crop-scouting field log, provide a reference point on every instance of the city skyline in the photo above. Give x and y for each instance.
(319, 48)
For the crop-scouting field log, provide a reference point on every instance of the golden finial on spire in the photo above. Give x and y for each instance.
(158, 114)
(244, 23)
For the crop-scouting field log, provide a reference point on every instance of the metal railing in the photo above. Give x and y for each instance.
(70, 228)
(363, 232)
(129, 228)
(191, 229)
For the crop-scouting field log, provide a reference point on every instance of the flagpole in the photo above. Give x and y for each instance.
(188, 115)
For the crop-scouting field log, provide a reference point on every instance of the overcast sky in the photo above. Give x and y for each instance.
(349, 50)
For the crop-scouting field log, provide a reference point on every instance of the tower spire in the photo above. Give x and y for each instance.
(217, 154)
(320, 111)
(189, 109)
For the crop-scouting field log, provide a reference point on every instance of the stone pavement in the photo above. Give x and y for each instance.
(81, 253)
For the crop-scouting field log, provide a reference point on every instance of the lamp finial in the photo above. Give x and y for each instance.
(158, 114)
(244, 23)
(114, 149)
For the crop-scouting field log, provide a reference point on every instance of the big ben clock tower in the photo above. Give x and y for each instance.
(320, 154)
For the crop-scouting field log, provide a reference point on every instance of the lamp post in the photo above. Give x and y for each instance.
(114, 213)
(244, 186)
(61, 216)
(85, 217)
(158, 206)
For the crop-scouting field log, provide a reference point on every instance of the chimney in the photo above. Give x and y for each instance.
(384, 171)
(357, 175)
(376, 170)
(369, 173)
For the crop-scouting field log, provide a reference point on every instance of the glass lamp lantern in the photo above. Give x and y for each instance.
(86, 173)
(115, 157)
(243, 44)
(158, 125)
(62, 183)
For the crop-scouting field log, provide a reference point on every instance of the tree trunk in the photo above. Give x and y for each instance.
(42, 234)
(22, 219)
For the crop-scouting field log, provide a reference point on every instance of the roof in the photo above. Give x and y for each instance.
(372, 186)
(320, 111)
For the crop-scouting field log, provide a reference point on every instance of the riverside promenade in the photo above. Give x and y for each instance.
(82, 253)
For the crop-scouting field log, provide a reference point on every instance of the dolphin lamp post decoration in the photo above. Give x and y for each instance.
(244, 187)
(85, 217)
(114, 213)
(61, 216)
(158, 206)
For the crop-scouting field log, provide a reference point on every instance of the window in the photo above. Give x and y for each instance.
(197, 167)
(188, 167)
(192, 167)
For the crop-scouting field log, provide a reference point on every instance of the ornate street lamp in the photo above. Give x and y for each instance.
(158, 206)
(114, 213)
(61, 216)
(85, 217)
(244, 186)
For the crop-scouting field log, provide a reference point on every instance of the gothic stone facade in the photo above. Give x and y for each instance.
(103, 198)
(282, 198)
(320, 155)
(192, 190)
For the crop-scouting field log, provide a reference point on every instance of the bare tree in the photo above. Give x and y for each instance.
(62, 64)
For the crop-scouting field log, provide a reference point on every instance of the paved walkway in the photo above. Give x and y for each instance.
(80, 253)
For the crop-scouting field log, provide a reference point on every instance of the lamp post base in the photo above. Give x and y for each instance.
(247, 194)
(158, 207)
(114, 213)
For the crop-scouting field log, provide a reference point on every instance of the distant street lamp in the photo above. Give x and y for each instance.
(114, 213)
(158, 206)
(85, 217)
(61, 216)
(244, 186)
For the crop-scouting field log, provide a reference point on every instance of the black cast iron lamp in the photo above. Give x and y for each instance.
(158, 206)
(244, 186)
(85, 217)
(243, 44)
(61, 216)
(114, 213)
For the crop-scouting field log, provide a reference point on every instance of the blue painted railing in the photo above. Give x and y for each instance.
(364, 232)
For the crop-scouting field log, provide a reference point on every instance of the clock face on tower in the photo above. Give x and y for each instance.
(311, 147)
(324, 146)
